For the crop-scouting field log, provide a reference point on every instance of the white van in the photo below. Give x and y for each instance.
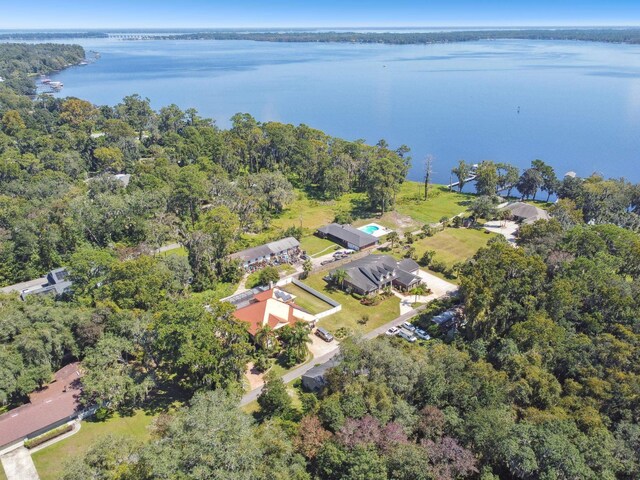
(408, 336)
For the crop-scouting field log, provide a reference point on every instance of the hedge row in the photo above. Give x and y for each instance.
(45, 437)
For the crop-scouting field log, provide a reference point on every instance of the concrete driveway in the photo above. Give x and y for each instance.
(506, 228)
(438, 286)
(18, 465)
(319, 347)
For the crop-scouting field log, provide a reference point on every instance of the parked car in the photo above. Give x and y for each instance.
(421, 334)
(408, 336)
(324, 335)
(326, 262)
(408, 326)
(392, 331)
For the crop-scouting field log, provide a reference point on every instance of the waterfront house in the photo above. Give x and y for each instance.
(526, 213)
(347, 236)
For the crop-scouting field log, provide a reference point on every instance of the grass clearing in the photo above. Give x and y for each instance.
(180, 252)
(310, 213)
(50, 461)
(454, 244)
(2, 474)
(352, 309)
(441, 202)
(314, 245)
(310, 303)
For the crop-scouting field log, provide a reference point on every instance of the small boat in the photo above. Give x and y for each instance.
(56, 85)
(83, 63)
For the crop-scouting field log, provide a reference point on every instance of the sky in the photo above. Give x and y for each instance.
(90, 14)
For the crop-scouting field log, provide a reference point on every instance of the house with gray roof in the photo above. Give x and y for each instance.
(58, 284)
(526, 213)
(370, 274)
(286, 250)
(347, 236)
(314, 380)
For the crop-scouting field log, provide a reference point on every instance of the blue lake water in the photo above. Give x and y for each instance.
(574, 105)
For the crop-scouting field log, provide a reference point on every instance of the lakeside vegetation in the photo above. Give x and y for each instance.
(539, 377)
(627, 35)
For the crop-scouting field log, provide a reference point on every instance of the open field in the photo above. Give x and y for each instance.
(454, 244)
(311, 214)
(352, 309)
(310, 303)
(441, 202)
(50, 461)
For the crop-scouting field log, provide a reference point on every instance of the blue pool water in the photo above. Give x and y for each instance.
(575, 105)
(370, 229)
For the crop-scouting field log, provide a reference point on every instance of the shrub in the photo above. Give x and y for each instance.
(262, 363)
(457, 221)
(364, 319)
(371, 301)
(341, 333)
(426, 258)
(438, 266)
(263, 277)
(343, 217)
(45, 437)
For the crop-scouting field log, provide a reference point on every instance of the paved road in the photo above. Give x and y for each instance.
(18, 465)
(298, 372)
(18, 287)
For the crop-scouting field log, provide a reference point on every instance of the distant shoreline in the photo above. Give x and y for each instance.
(630, 36)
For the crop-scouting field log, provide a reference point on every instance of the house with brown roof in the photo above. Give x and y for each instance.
(274, 308)
(50, 407)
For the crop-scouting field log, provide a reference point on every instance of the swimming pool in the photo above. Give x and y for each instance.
(374, 229)
(370, 229)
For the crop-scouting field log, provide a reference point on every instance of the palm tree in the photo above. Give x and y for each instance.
(393, 237)
(265, 338)
(307, 266)
(419, 289)
(295, 339)
(339, 276)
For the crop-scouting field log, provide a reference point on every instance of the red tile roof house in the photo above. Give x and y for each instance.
(48, 408)
(274, 308)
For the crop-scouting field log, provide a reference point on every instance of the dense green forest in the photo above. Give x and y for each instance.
(18, 62)
(608, 35)
(540, 380)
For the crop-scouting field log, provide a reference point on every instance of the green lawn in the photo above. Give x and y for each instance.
(352, 309)
(286, 269)
(314, 245)
(454, 244)
(441, 202)
(2, 475)
(310, 303)
(50, 461)
(311, 214)
(180, 252)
